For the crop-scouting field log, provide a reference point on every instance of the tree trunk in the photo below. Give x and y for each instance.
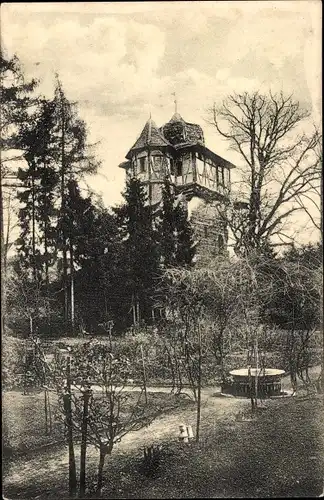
(172, 370)
(72, 287)
(144, 374)
(138, 316)
(49, 412)
(3, 250)
(63, 214)
(178, 371)
(190, 375)
(199, 385)
(69, 423)
(46, 412)
(133, 310)
(102, 457)
(33, 226)
(256, 371)
(46, 252)
(84, 431)
(6, 243)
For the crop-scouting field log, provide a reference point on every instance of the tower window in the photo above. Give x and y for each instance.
(171, 166)
(222, 177)
(206, 231)
(142, 164)
(179, 167)
(157, 162)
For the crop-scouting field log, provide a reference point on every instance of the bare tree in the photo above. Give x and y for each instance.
(202, 302)
(103, 410)
(281, 164)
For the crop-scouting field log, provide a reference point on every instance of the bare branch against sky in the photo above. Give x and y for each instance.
(123, 61)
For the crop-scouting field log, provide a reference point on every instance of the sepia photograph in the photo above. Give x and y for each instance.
(161, 249)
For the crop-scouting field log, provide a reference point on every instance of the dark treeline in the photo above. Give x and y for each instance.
(79, 264)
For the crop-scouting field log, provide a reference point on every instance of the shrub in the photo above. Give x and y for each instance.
(12, 362)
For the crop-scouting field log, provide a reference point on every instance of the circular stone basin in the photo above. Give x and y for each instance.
(268, 382)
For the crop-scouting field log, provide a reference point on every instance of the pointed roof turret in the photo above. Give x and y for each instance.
(150, 136)
(177, 118)
(177, 131)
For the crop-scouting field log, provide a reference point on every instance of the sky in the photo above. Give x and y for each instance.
(123, 61)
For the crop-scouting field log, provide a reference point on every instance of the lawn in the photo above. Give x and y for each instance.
(277, 454)
(24, 418)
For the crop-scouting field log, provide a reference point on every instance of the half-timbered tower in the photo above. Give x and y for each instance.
(177, 150)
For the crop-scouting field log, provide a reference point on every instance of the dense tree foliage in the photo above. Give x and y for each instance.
(16, 99)
(82, 267)
(141, 253)
(175, 231)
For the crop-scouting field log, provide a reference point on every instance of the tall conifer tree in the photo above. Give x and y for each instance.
(141, 250)
(185, 239)
(167, 227)
(16, 98)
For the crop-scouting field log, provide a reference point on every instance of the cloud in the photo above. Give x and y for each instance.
(121, 62)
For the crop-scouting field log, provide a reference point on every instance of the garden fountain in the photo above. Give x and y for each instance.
(247, 382)
(255, 382)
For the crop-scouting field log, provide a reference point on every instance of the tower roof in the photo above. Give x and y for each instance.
(178, 131)
(150, 136)
(177, 118)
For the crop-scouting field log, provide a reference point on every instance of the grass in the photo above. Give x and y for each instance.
(24, 422)
(280, 453)
(24, 418)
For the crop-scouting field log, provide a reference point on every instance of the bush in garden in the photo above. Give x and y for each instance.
(13, 350)
(104, 415)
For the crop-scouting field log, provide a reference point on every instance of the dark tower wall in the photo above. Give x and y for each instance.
(210, 231)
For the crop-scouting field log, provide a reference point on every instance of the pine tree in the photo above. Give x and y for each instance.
(167, 227)
(15, 101)
(58, 157)
(78, 230)
(141, 250)
(185, 251)
(74, 161)
(37, 243)
(100, 277)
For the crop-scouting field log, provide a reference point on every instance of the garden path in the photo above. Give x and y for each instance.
(27, 470)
